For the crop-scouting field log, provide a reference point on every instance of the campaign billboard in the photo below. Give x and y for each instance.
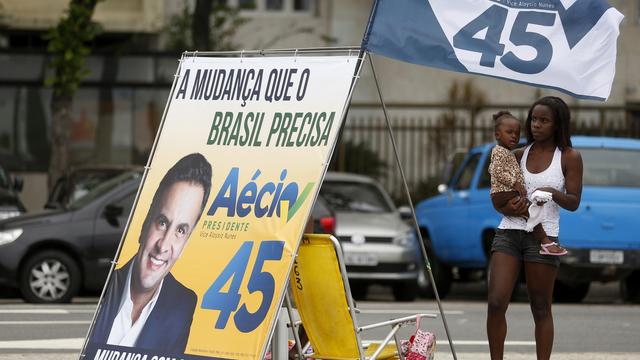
(237, 164)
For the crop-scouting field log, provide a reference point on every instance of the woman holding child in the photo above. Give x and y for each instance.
(550, 164)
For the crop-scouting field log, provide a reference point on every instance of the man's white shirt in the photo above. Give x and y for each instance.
(123, 331)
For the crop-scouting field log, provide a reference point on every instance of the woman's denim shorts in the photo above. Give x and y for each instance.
(523, 246)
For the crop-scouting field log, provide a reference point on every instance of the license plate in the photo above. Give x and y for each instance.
(606, 257)
(361, 259)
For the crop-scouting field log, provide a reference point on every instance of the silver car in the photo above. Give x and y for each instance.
(379, 247)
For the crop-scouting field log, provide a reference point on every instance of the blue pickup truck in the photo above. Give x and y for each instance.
(602, 235)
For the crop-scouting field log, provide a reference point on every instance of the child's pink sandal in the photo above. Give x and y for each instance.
(544, 249)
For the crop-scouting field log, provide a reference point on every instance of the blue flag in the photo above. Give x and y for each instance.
(567, 45)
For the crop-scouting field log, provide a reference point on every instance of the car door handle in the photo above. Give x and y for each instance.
(607, 225)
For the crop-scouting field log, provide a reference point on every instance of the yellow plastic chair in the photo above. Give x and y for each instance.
(323, 298)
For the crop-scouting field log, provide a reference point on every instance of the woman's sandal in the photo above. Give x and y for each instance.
(544, 249)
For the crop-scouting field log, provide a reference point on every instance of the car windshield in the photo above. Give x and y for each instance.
(354, 197)
(103, 188)
(321, 208)
(611, 167)
(83, 184)
(4, 179)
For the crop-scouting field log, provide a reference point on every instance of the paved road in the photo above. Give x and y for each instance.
(601, 328)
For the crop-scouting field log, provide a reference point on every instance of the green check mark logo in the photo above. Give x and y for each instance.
(303, 196)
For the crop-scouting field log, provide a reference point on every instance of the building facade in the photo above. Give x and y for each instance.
(121, 101)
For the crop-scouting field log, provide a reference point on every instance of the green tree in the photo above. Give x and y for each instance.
(357, 158)
(69, 45)
(463, 97)
(210, 27)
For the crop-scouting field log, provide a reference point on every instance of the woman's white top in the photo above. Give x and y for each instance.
(550, 177)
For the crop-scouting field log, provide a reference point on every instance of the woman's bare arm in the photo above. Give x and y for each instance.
(514, 207)
(572, 168)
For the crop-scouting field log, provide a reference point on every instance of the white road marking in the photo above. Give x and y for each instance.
(408, 311)
(445, 342)
(45, 344)
(46, 322)
(33, 311)
(76, 343)
(485, 342)
(46, 311)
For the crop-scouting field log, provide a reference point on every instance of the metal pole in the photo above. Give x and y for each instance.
(279, 348)
(292, 321)
(265, 52)
(413, 212)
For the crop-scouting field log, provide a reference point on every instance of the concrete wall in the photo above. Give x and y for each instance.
(34, 192)
(113, 15)
(627, 80)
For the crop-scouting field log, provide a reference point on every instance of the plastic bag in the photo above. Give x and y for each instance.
(421, 345)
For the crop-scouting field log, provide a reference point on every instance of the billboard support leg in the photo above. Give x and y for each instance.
(413, 211)
(279, 340)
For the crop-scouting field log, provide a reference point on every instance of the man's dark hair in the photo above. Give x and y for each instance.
(193, 169)
(499, 116)
(561, 119)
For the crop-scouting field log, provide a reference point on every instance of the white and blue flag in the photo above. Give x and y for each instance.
(568, 45)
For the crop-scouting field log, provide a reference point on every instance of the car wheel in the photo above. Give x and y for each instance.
(441, 274)
(49, 277)
(405, 290)
(358, 290)
(568, 293)
(629, 287)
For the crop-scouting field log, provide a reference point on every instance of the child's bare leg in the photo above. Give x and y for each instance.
(540, 235)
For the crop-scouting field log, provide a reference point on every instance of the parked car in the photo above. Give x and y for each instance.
(51, 255)
(379, 247)
(324, 219)
(10, 204)
(601, 235)
(80, 180)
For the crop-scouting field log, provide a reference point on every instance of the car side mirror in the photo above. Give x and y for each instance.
(112, 213)
(442, 188)
(405, 213)
(18, 183)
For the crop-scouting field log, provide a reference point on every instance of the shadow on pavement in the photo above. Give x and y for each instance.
(599, 293)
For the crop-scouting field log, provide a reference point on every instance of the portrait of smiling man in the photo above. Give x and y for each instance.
(144, 305)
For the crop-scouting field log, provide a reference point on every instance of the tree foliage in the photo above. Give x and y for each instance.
(188, 28)
(358, 158)
(69, 45)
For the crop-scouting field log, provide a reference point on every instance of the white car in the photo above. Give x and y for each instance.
(379, 247)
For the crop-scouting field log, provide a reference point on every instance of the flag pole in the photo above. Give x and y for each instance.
(413, 212)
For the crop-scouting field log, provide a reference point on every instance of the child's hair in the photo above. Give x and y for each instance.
(497, 118)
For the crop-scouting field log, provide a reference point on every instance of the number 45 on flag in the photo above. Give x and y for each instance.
(569, 45)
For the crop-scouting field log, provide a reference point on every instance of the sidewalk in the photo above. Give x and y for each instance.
(532, 356)
(439, 356)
